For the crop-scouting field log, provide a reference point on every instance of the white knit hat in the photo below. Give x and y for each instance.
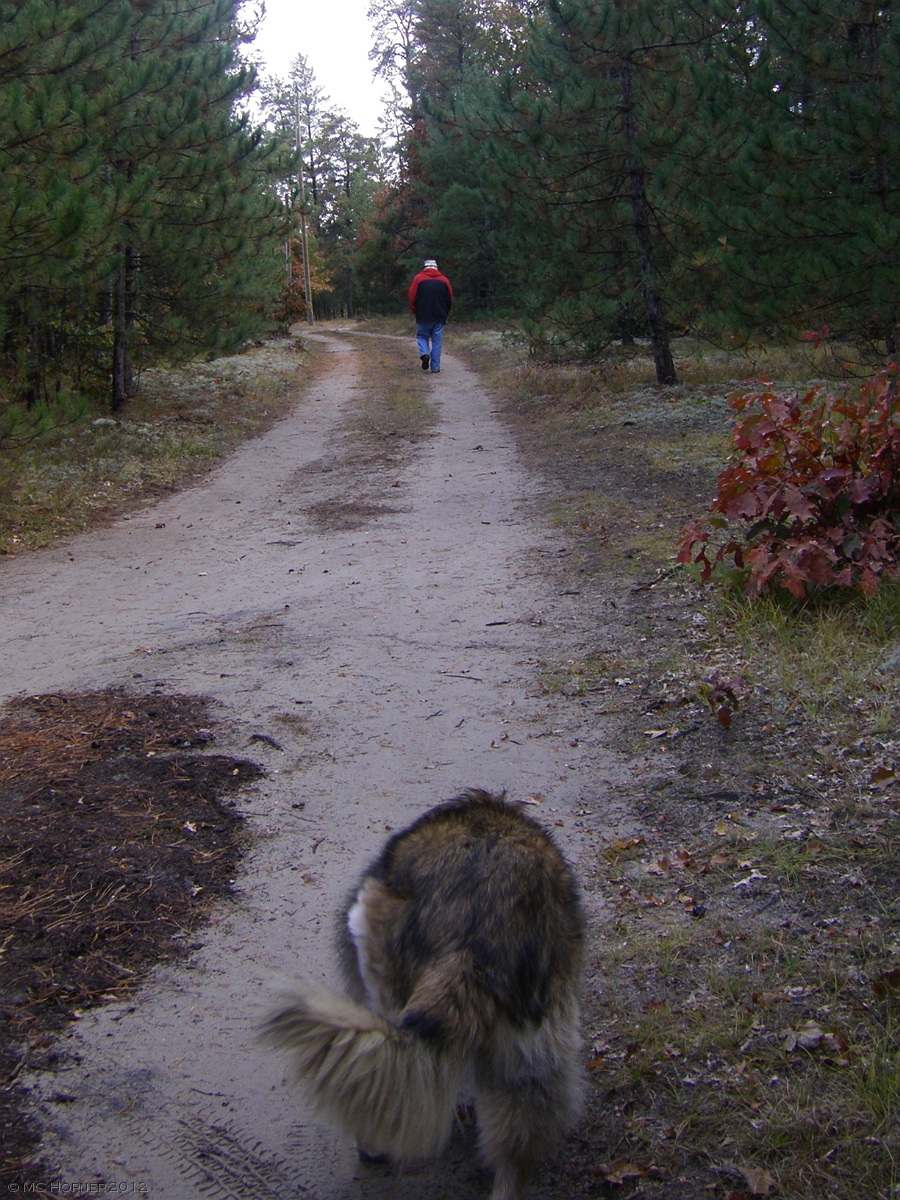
(430, 264)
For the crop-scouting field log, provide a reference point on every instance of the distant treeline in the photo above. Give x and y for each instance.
(599, 170)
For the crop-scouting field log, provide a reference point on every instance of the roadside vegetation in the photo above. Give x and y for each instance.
(64, 472)
(746, 1003)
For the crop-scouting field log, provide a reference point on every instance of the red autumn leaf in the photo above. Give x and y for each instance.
(811, 479)
(798, 505)
(816, 336)
(887, 984)
(882, 777)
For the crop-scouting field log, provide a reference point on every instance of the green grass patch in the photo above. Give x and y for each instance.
(747, 1040)
(835, 664)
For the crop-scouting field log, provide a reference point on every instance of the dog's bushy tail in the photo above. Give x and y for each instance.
(386, 1086)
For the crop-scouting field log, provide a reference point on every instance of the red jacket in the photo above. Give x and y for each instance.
(430, 297)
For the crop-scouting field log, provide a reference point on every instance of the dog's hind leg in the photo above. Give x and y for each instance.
(528, 1095)
(514, 1135)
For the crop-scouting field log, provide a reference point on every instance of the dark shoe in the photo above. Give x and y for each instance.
(426, 361)
(436, 371)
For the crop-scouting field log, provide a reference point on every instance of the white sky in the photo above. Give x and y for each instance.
(333, 35)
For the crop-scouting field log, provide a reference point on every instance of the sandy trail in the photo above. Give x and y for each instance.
(394, 664)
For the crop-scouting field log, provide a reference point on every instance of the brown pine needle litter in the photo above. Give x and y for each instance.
(116, 835)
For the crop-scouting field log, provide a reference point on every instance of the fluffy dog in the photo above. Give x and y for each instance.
(465, 944)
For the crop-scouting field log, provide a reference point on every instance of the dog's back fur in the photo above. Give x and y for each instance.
(466, 934)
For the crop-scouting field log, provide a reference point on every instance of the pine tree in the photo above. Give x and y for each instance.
(197, 256)
(590, 137)
(395, 51)
(442, 58)
(806, 211)
(340, 170)
(135, 197)
(54, 216)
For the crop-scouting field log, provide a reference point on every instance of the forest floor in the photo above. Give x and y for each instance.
(732, 803)
(748, 1025)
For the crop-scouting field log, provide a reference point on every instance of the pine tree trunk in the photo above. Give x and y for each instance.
(883, 187)
(890, 338)
(625, 325)
(640, 212)
(131, 280)
(124, 315)
(125, 292)
(119, 352)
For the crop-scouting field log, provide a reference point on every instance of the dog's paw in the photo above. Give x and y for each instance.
(372, 1160)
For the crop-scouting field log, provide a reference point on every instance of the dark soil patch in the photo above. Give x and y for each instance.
(346, 515)
(116, 838)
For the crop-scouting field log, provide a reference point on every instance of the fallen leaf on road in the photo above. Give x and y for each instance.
(620, 845)
(888, 984)
(882, 777)
(807, 1036)
(758, 1180)
(763, 999)
(623, 1170)
(749, 879)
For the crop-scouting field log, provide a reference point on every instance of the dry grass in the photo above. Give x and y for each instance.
(389, 417)
(91, 467)
(747, 989)
(394, 412)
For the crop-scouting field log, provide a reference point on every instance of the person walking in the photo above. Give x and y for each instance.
(430, 299)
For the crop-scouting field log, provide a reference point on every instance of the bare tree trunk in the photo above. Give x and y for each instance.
(131, 287)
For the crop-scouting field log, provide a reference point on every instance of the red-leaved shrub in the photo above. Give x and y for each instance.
(809, 498)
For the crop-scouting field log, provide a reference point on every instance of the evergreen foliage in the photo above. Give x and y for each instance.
(613, 169)
(603, 169)
(806, 216)
(593, 143)
(137, 212)
(443, 59)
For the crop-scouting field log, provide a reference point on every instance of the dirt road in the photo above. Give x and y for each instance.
(393, 663)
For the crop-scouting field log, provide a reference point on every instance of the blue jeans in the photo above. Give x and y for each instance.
(434, 333)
